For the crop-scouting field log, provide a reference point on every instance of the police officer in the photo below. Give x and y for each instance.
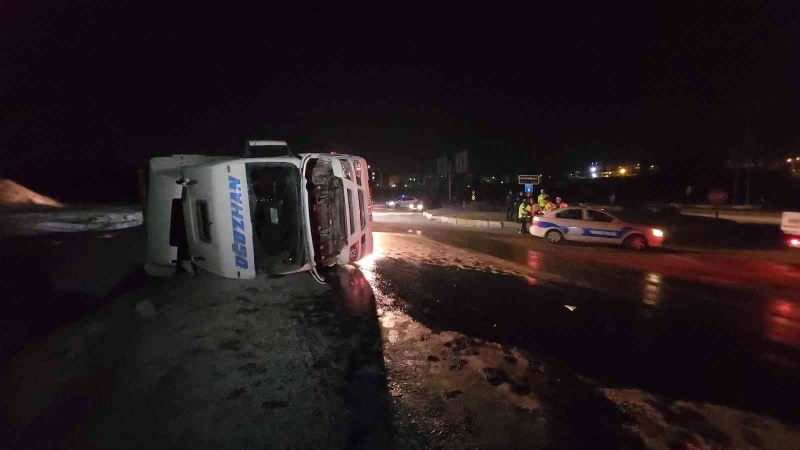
(523, 214)
(510, 206)
(542, 199)
(515, 207)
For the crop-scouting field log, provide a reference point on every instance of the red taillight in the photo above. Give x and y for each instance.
(354, 252)
(794, 242)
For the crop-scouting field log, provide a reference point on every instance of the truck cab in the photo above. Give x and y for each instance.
(243, 217)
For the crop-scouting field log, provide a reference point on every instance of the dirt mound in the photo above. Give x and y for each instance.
(14, 194)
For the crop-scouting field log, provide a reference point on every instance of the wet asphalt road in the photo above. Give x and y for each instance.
(490, 338)
(714, 328)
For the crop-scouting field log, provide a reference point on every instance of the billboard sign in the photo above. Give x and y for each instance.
(529, 179)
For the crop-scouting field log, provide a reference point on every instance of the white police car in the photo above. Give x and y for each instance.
(594, 225)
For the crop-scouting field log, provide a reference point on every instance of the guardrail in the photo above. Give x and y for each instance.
(471, 222)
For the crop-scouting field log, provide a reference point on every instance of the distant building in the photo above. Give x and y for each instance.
(405, 181)
(610, 169)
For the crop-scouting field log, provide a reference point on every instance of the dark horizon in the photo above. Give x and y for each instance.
(98, 86)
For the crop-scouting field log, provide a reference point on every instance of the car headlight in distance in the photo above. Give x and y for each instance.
(657, 233)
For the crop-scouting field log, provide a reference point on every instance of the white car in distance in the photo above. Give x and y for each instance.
(406, 202)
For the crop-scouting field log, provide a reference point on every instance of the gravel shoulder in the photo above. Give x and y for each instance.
(205, 362)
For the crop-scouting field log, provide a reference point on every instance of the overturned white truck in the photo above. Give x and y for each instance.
(241, 217)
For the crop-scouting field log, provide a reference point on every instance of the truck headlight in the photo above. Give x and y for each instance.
(657, 233)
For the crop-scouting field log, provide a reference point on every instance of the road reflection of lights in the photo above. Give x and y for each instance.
(533, 263)
(534, 259)
(355, 292)
(782, 322)
(652, 288)
(367, 263)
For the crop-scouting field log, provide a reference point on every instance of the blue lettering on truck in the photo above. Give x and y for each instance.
(239, 245)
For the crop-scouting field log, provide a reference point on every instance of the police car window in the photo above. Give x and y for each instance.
(598, 216)
(574, 214)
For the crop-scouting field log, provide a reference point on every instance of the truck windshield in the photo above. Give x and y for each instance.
(274, 193)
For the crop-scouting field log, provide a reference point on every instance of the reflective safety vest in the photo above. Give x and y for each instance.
(524, 211)
(540, 200)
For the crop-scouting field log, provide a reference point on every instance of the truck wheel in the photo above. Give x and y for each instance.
(635, 242)
(554, 236)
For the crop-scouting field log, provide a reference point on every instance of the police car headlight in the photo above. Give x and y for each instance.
(657, 233)
(536, 218)
(411, 206)
(390, 203)
(419, 207)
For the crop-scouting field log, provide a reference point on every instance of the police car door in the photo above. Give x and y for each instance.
(570, 222)
(601, 227)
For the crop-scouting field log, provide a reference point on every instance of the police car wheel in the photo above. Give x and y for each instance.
(554, 236)
(635, 242)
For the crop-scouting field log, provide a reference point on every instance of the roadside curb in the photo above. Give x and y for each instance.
(470, 222)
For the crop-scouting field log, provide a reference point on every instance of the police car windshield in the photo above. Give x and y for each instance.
(274, 194)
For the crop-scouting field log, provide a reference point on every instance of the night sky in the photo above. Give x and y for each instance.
(108, 84)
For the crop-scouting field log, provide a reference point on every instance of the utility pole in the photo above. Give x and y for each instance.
(449, 183)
